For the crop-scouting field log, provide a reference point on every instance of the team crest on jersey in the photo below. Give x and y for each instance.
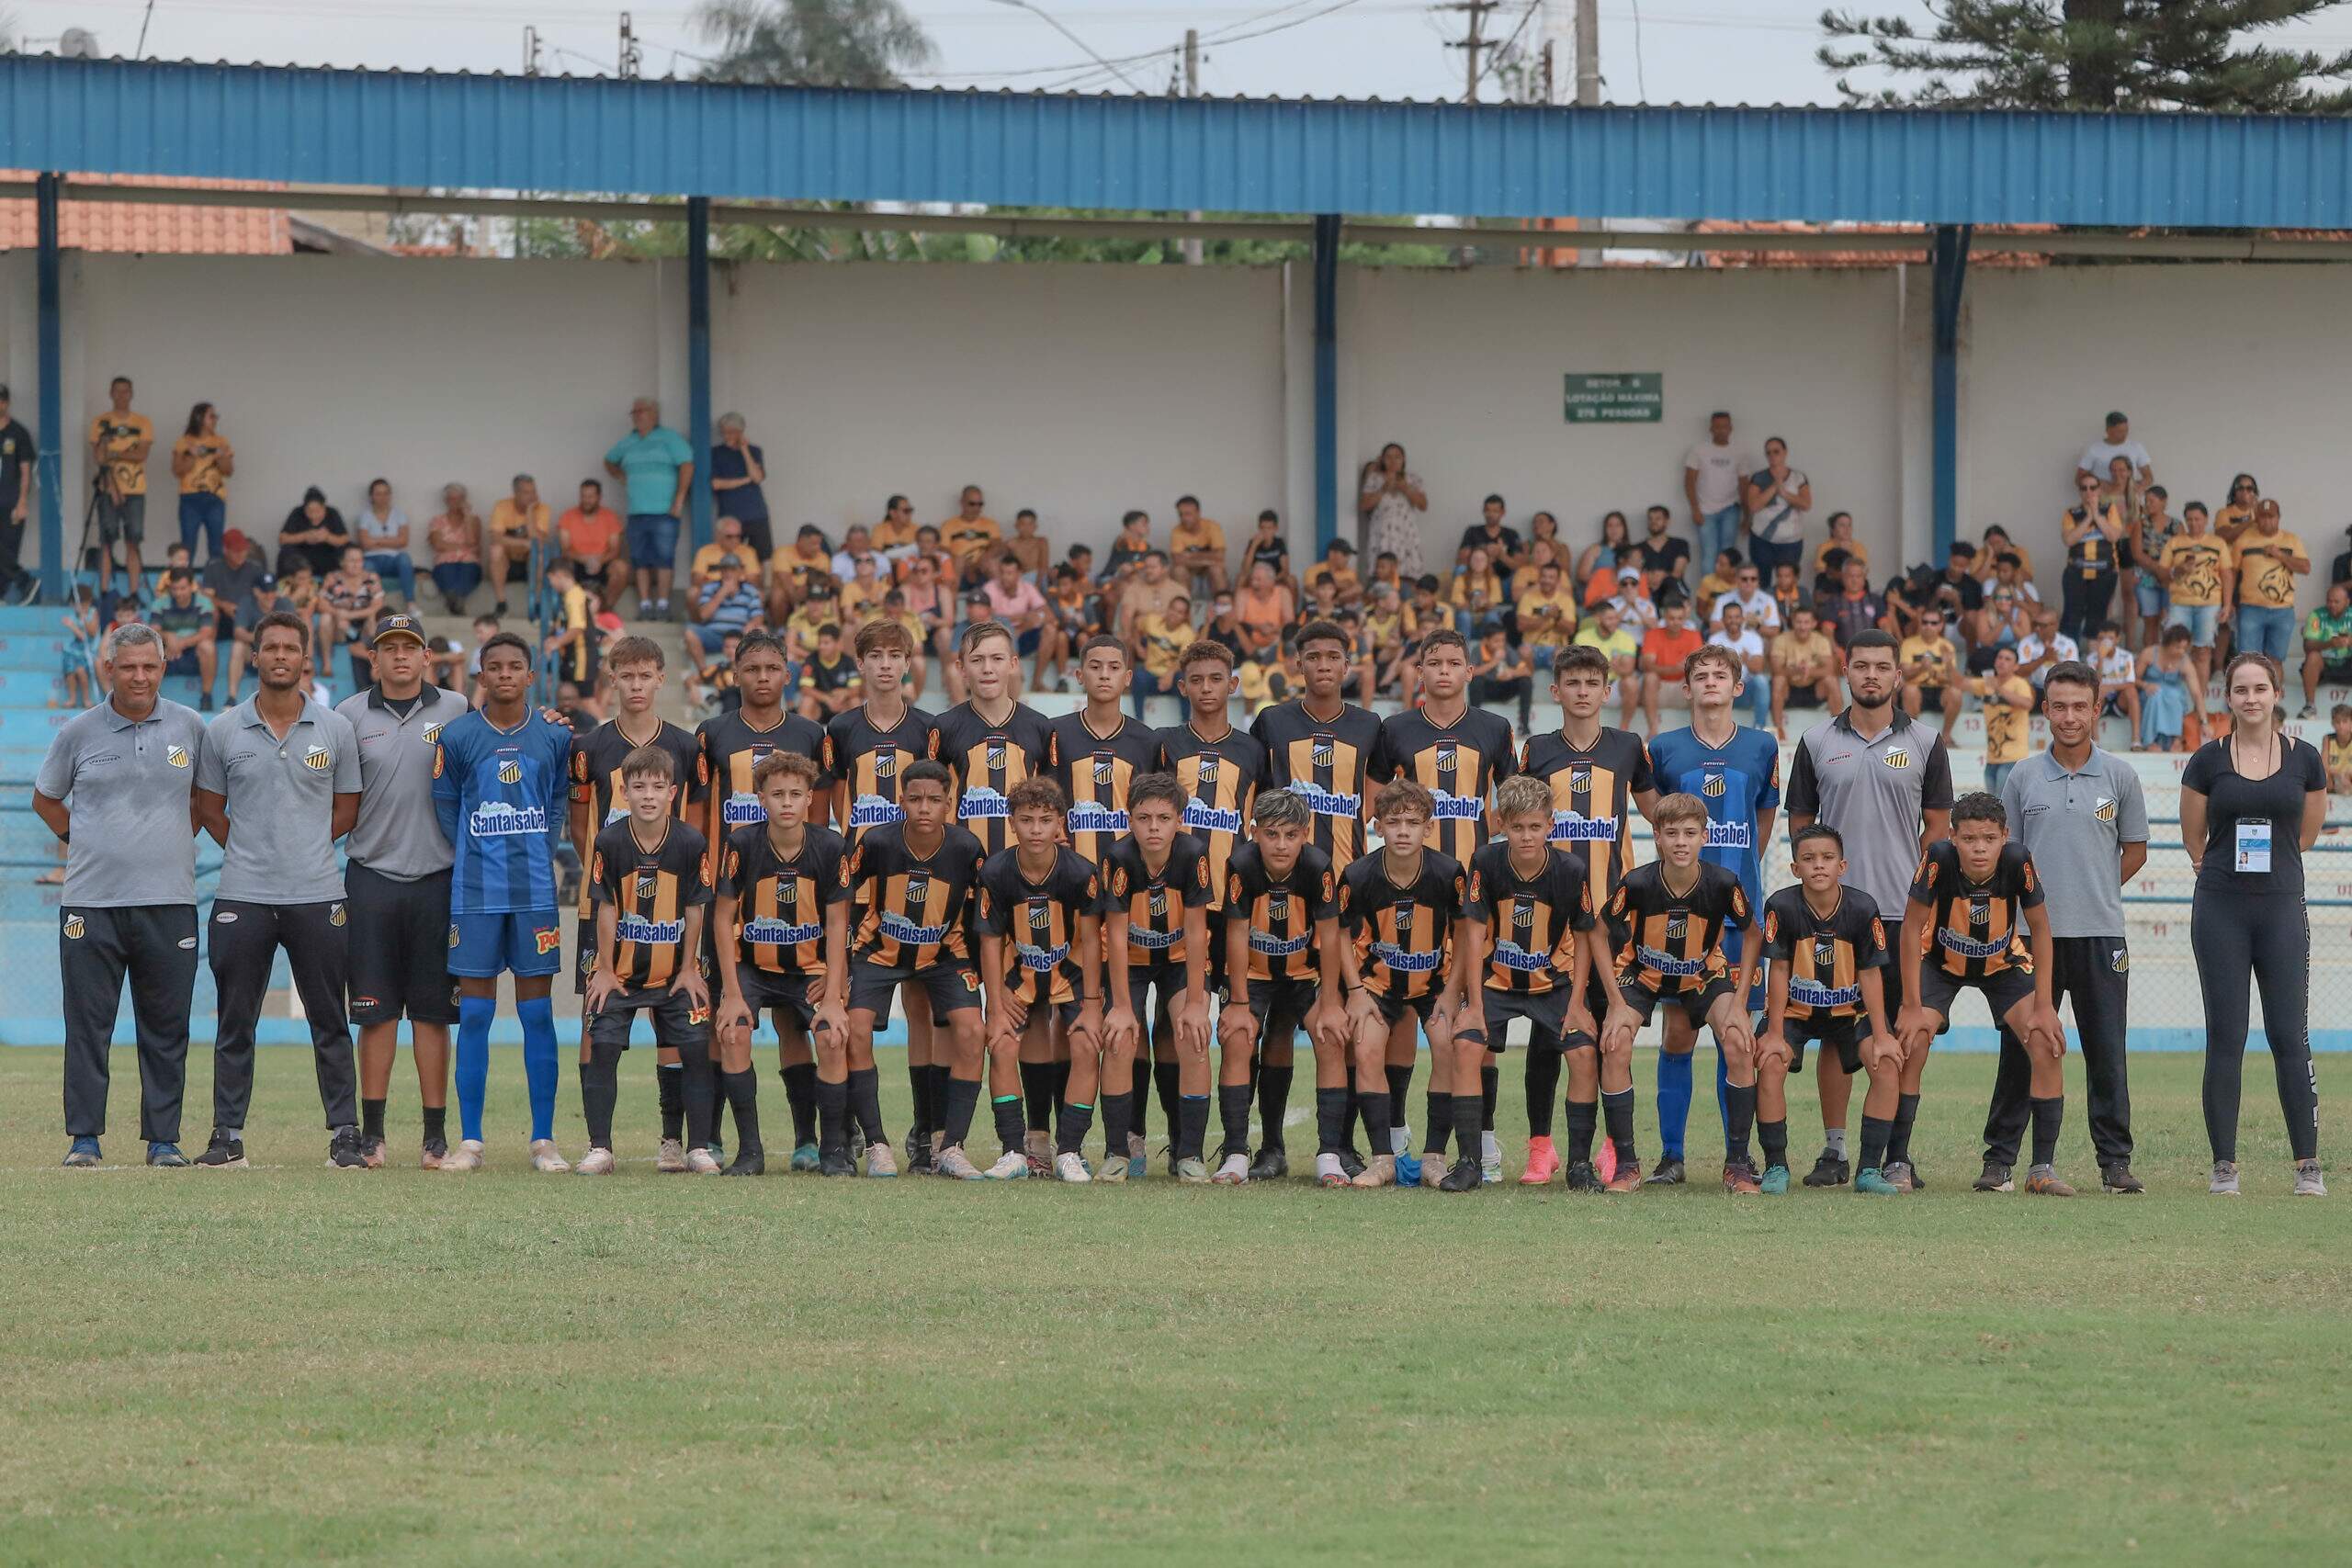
(1580, 781)
(1445, 758)
(73, 927)
(918, 890)
(2106, 812)
(1522, 914)
(1898, 758)
(432, 734)
(1106, 769)
(587, 961)
(1676, 925)
(1041, 915)
(1403, 914)
(1825, 954)
(1278, 905)
(647, 884)
(334, 915)
(510, 772)
(547, 937)
(1324, 752)
(1208, 767)
(886, 763)
(317, 759)
(1159, 903)
(1980, 912)
(176, 755)
(453, 937)
(1712, 787)
(995, 755)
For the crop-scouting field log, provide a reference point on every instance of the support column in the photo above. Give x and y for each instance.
(1327, 381)
(49, 470)
(1948, 259)
(698, 410)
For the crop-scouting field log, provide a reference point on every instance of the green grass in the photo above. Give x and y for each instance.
(292, 1362)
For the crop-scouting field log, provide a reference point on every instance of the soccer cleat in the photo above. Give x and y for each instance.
(2042, 1182)
(2225, 1179)
(371, 1153)
(1490, 1170)
(1138, 1156)
(1668, 1172)
(1996, 1179)
(1898, 1174)
(225, 1152)
(1351, 1163)
(466, 1157)
(1829, 1171)
(923, 1156)
(1627, 1177)
(700, 1161)
(917, 1146)
(82, 1154)
(545, 1159)
(2308, 1182)
(1380, 1171)
(1543, 1163)
(1583, 1178)
(1604, 1161)
(805, 1157)
(1011, 1166)
(343, 1152)
(1193, 1171)
(671, 1156)
(1774, 1182)
(880, 1161)
(956, 1166)
(1116, 1169)
(1069, 1168)
(1739, 1180)
(2119, 1178)
(836, 1162)
(1233, 1171)
(1874, 1181)
(1271, 1164)
(1039, 1146)
(750, 1160)
(1464, 1177)
(595, 1162)
(1408, 1170)
(431, 1153)
(1329, 1171)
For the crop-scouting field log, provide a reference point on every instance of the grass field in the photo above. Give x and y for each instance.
(290, 1362)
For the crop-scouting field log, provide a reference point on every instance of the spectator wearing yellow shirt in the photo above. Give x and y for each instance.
(822, 608)
(2268, 559)
(2335, 749)
(1605, 632)
(573, 642)
(1932, 669)
(202, 461)
(894, 538)
(862, 594)
(1547, 616)
(1841, 537)
(1262, 682)
(1390, 627)
(2008, 717)
(120, 441)
(791, 569)
(1347, 588)
(514, 523)
(730, 545)
(2237, 512)
(1159, 638)
(1476, 592)
(1804, 667)
(971, 536)
(1197, 543)
(829, 683)
(1717, 582)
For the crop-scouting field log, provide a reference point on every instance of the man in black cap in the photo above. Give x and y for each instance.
(17, 464)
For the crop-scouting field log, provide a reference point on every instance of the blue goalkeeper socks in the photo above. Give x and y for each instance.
(1673, 1102)
(474, 1015)
(539, 1063)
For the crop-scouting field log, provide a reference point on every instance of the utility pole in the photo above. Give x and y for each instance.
(1193, 90)
(632, 58)
(530, 51)
(1587, 55)
(1474, 44)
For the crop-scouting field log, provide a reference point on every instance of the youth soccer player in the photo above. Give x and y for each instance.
(1668, 919)
(783, 942)
(1735, 773)
(500, 777)
(637, 670)
(1039, 924)
(1398, 906)
(1972, 892)
(1827, 946)
(910, 881)
(1281, 968)
(649, 876)
(1156, 901)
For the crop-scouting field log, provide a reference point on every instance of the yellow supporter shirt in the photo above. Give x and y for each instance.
(2008, 730)
(1344, 581)
(204, 476)
(706, 560)
(1164, 639)
(1208, 535)
(1618, 644)
(2264, 579)
(115, 435)
(506, 520)
(1941, 655)
(858, 598)
(966, 539)
(1549, 620)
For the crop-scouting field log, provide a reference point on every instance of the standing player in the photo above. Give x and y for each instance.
(1459, 754)
(650, 876)
(499, 784)
(1668, 919)
(1156, 945)
(1735, 772)
(732, 746)
(637, 671)
(783, 919)
(1597, 776)
(1827, 947)
(1282, 970)
(397, 887)
(276, 784)
(1885, 781)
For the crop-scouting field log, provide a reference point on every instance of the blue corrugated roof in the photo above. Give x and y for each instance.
(328, 127)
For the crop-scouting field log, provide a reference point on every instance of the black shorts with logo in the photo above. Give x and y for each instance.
(1394, 1007)
(1280, 1006)
(1142, 978)
(784, 996)
(399, 946)
(1546, 1013)
(1694, 1004)
(1842, 1034)
(2002, 990)
(952, 983)
(676, 1021)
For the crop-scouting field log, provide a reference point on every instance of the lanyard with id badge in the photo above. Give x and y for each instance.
(2253, 844)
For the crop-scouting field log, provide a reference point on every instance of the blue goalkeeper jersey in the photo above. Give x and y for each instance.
(500, 795)
(1739, 780)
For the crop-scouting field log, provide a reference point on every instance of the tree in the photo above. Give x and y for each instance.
(813, 44)
(2094, 54)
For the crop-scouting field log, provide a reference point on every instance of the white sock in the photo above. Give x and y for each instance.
(1400, 1140)
(1488, 1149)
(1327, 1165)
(1834, 1142)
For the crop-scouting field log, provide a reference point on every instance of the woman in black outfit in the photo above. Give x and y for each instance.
(2251, 803)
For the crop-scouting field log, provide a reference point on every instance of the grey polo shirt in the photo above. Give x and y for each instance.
(127, 782)
(399, 833)
(2075, 825)
(1874, 790)
(281, 802)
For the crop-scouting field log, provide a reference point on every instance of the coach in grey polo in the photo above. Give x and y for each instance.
(2080, 811)
(116, 786)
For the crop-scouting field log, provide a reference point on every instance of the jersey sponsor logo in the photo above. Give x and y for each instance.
(1087, 817)
(780, 934)
(73, 927)
(1327, 802)
(1399, 960)
(1209, 819)
(1969, 947)
(317, 759)
(504, 819)
(176, 755)
(1152, 941)
(1276, 946)
(1447, 807)
(1730, 835)
(1040, 959)
(229, 918)
(736, 810)
(1808, 994)
(900, 929)
(1898, 758)
(187, 942)
(365, 1004)
(510, 772)
(871, 810)
(546, 938)
(637, 929)
(1667, 964)
(1570, 827)
(979, 801)
(1512, 956)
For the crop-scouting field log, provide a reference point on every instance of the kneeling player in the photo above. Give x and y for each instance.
(1046, 902)
(1966, 904)
(1828, 950)
(1282, 970)
(1398, 906)
(912, 879)
(783, 944)
(649, 882)
(1156, 894)
(1668, 918)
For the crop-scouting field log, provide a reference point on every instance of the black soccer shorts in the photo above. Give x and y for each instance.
(676, 1021)
(1694, 1004)
(2002, 990)
(952, 983)
(399, 948)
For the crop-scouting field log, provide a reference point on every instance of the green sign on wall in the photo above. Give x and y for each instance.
(1629, 397)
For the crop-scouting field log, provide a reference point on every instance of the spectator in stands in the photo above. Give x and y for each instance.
(1932, 669)
(2237, 512)
(932, 609)
(657, 470)
(1721, 574)
(1546, 616)
(727, 602)
(2092, 531)
(1995, 544)
(1828, 577)
(1014, 600)
(1501, 543)
(971, 536)
(1778, 500)
(1960, 577)
(792, 570)
(515, 523)
(227, 582)
(2010, 572)
(1268, 544)
(1666, 554)
(202, 460)
(315, 533)
(942, 560)
(1614, 546)
(1075, 615)
(1477, 592)
(1148, 592)
(267, 596)
(1804, 667)
(2044, 645)
(1157, 644)
(2004, 621)
(857, 545)
(2118, 443)
(2268, 560)
(1543, 528)
(730, 544)
(1623, 653)
(2165, 671)
(1854, 608)
(120, 441)
(862, 593)
(895, 538)
(1336, 567)
(2327, 646)
(820, 608)
(589, 537)
(383, 535)
(1264, 607)
(1788, 593)
(1760, 615)
(1665, 649)
(2119, 676)
(1036, 552)
(1733, 632)
(2008, 701)
(829, 683)
(20, 462)
(2122, 488)
(1384, 570)
(352, 597)
(186, 622)
(572, 649)
(1501, 674)
(1637, 599)
(1198, 546)
(737, 469)
(1711, 475)
(1389, 499)
(2335, 749)
(455, 540)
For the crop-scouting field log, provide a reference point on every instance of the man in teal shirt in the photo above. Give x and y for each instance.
(658, 468)
(2327, 646)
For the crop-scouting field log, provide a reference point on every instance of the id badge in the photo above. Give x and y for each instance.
(2253, 844)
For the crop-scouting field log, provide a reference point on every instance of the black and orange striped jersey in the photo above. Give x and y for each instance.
(1403, 935)
(1978, 929)
(651, 891)
(1155, 901)
(988, 761)
(1592, 797)
(731, 748)
(1527, 918)
(1670, 942)
(869, 761)
(596, 776)
(1094, 771)
(1460, 764)
(913, 907)
(1825, 953)
(1040, 919)
(1282, 912)
(1221, 780)
(1331, 766)
(780, 903)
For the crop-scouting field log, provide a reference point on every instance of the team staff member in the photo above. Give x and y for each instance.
(123, 773)
(276, 784)
(2081, 814)
(1885, 781)
(2251, 807)
(397, 887)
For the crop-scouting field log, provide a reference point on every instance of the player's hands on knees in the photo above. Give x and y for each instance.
(1734, 1035)
(1882, 1053)
(1192, 1028)
(696, 990)
(1580, 1020)
(1333, 1030)
(1016, 1013)
(1120, 1028)
(1617, 1031)
(1915, 1027)
(831, 1019)
(1238, 1028)
(1773, 1050)
(2047, 1033)
(601, 987)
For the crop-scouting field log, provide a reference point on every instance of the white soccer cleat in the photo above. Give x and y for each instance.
(880, 1161)
(595, 1162)
(546, 1158)
(1234, 1171)
(1070, 1167)
(1378, 1171)
(1011, 1166)
(467, 1156)
(700, 1161)
(956, 1165)
(670, 1158)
